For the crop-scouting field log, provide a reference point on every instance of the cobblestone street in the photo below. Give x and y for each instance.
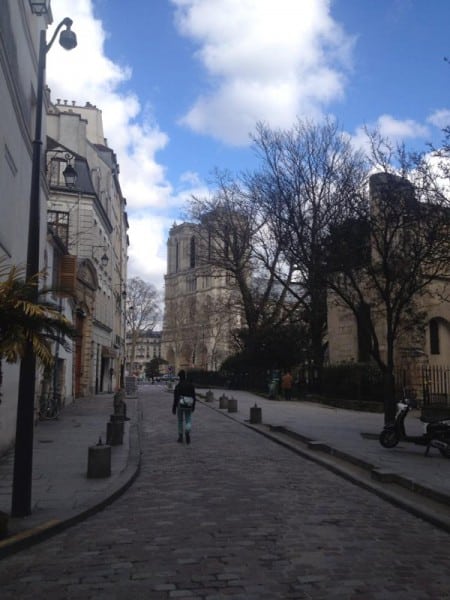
(233, 515)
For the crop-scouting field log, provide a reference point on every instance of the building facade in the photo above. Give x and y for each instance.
(141, 350)
(93, 210)
(199, 314)
(19, 48)
(80, 223)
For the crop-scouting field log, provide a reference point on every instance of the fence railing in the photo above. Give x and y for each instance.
(436, 385)
(430, 385)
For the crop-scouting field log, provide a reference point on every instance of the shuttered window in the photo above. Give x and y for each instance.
(68, 274)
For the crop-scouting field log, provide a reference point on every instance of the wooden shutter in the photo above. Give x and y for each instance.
(68, 274)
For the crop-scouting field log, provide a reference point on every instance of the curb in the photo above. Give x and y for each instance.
(27, 538)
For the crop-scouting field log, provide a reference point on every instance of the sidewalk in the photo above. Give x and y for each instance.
(61, 492)
(345, 439)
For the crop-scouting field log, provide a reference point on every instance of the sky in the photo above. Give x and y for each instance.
(183, 83)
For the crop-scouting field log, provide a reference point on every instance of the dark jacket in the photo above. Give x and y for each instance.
(183, 388)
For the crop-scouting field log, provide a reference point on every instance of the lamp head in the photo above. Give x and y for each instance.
(70, 176)
(67, 38)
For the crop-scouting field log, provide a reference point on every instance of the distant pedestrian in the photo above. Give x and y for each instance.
(287, 381)
(183, 406)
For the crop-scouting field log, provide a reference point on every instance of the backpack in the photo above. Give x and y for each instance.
(186, 402)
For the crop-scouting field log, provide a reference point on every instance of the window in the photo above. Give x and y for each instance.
(191, 284)
(192, 253)
(434, 337)
(59, 223)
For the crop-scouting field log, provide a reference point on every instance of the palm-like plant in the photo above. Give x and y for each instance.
(23, 319)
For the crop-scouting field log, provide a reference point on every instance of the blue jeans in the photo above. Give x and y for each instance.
(186, 414)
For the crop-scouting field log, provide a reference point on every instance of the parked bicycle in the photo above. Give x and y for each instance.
(49, 407)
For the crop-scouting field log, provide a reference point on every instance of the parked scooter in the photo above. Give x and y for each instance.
(436, 434)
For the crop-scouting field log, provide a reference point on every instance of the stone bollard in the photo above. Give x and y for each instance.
(232, 405)
(209, 396)
(223, 402)
(255, 414)
(114, 431)
(99, 460)
(120, 406)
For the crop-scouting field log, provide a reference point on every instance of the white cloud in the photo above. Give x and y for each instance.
(84, 70)
(395, 130)
(399, 130)
(440, 118)
(268, 60)
(147, 252)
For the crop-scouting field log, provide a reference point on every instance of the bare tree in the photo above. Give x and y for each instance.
(238, 239)
(143, 310)
(308, 177)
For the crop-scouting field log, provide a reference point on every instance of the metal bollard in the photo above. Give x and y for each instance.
(99, 460)
(209, 396)
(232, 405)
(255, 414)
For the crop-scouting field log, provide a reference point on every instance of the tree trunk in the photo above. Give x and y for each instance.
(389, 397)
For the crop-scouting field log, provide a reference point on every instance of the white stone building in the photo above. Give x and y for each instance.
(146, 346)
(96, 227)
(19, 46)
(85, 223)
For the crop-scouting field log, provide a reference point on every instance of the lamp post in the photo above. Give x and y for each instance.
(23, 457)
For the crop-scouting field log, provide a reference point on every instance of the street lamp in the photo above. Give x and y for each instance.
(70, 174)
(23, 456)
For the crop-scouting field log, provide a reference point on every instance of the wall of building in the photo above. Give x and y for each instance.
(19, 31)
(147, 346)
(98, 227)
(197, 317)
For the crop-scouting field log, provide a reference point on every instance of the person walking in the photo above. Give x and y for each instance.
(183, 406)
(287, 381)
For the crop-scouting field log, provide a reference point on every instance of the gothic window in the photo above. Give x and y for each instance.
(434, 337)
(192, 253)
(191, 284)
(177, 256)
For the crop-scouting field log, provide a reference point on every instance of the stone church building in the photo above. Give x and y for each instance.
(199, 314)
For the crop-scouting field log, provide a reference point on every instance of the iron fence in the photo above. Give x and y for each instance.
(429, 385)
(436, 386)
